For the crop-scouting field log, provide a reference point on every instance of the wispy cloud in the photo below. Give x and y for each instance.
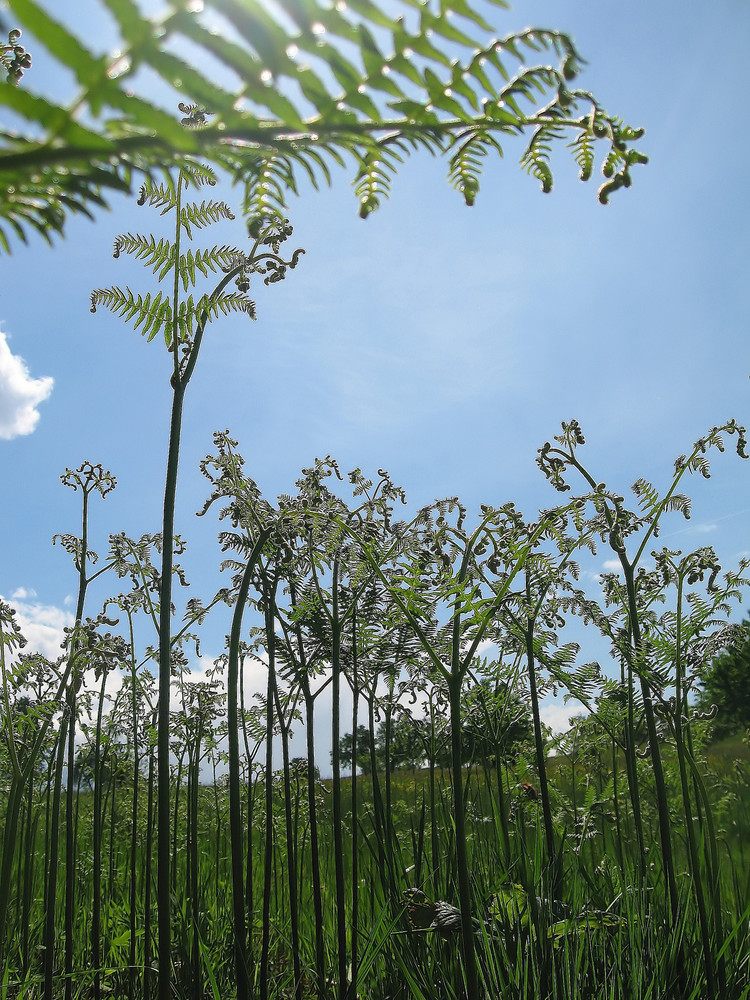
(41, 624)
(611, 565)
(557, 715)
(20, 394)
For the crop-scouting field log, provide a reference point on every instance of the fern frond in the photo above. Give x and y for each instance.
(151, 313)
(198, 174)
(583, 152)
(190, 312)
(535, 159)
(216, 259)
(647, 494)
(265, 186)
(155, 195)
(373, 180)
(465, 165)
(315, 75)
(203, 215)
(159, 256)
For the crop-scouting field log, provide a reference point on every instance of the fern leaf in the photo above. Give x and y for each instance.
(465, 166)
(161, 196)
(373, 181)
(203, 215)
(314, 75)
(583, 152)
(152, 313)
(536, 158)
(157, 255)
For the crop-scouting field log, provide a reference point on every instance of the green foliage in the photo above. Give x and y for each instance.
(725, 685)
(290, 93)
(358, 878)
(166, 312)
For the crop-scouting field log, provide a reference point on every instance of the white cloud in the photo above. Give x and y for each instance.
(557, 715)
(41, 624)
(20, 394)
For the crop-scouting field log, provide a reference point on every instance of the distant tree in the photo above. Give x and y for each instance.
(408, 742)
(363, 750)
(725, 683)
(496, 720)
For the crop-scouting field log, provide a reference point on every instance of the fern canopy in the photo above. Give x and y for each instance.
(289, 92)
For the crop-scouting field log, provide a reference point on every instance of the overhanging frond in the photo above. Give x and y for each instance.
(302, 88)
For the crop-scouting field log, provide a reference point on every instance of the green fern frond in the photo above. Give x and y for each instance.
(197, 174)
(315, 75)
(373, 181)
(583, 152)
(157, 255)
(151, 313)
(208, 308)
(681, 503)
(265, 186)
(203, 215)
(216, 259)
(155, 195)
(535, 159)
(465, 165)
(647, 494)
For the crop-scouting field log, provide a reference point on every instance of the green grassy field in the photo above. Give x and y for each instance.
(594, 923)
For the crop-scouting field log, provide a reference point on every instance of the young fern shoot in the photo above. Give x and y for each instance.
(182, 319)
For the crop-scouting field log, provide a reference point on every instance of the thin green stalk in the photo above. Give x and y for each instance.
(312, 806)
(96, 919)
(338, 842)
(354, 947)
(235, 803)
(291, 858)
(53, 852)
(268, 866)
(147, 875)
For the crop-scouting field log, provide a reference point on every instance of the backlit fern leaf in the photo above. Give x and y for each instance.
(373, 181)
(161, 196)
(647, 494)
(465, 165)
(209, 307)
(583, 152)
(152, 313)
(203, 215)
(536, 158)
(379, 164)
(265, 186)
(216, 259)
(146, 249)
(337, 76)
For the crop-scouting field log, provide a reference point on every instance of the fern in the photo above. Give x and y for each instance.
(583, 147)
(373, 181)
(160, 256)
(203, 215)
(161, 196)
(151, 313)
(465, 165)
(319, 82)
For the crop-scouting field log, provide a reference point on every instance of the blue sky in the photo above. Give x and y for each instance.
(442, 343)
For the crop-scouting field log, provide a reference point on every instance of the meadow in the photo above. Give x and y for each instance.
(609, 862)
(596, 923)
